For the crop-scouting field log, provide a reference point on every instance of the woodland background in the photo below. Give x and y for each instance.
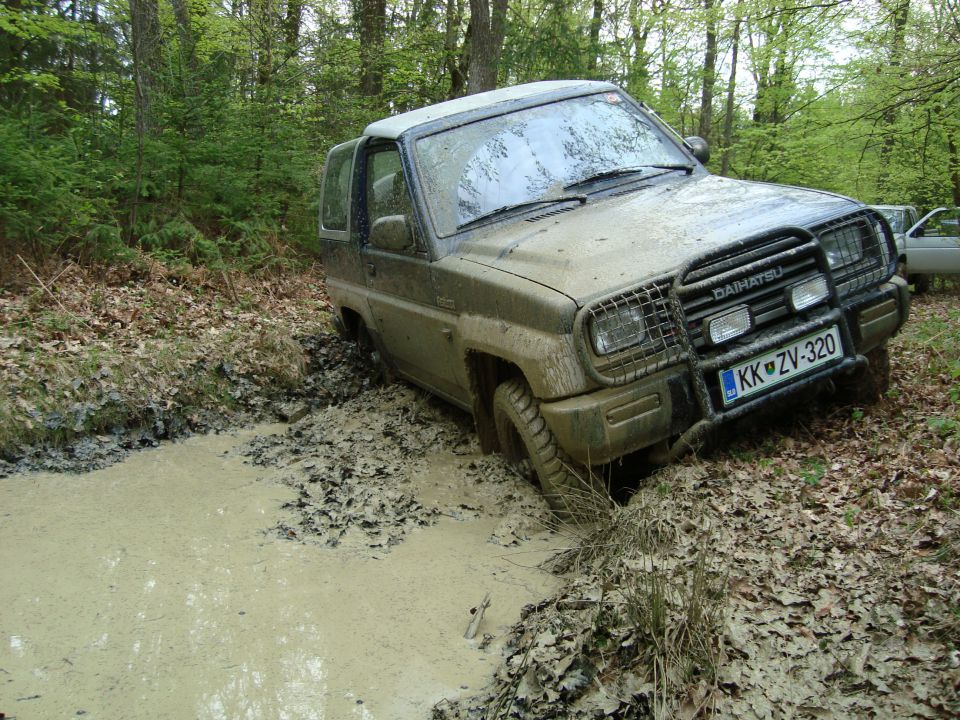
(196, 130)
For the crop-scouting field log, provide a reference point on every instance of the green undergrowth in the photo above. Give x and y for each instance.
(935, 335)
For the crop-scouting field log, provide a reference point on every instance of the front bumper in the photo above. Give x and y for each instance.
(681, 401)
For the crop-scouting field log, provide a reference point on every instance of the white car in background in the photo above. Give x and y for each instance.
(901, 219)
(933, 246)
(928, 246)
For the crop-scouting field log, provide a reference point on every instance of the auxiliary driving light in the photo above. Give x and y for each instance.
(731, 324)
(808, 293)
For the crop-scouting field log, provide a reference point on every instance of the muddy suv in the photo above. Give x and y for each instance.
(556, 260)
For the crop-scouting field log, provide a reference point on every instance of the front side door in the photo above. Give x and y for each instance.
(937, 249)
(416, 334)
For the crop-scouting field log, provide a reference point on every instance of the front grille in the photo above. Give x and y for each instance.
(755, 273)
(755, 276)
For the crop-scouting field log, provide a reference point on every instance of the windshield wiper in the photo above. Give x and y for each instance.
(631, 170)
(518, 205)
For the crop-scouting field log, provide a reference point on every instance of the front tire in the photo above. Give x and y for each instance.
(867, 385)
(525, 437)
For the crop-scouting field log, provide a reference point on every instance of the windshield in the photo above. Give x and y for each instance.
(472, 170)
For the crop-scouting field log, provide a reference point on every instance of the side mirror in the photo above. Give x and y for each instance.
(393, 233)
(918, 232)
(699, 147)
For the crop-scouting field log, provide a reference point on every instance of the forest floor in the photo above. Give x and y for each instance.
(98, 361)
(810, 568)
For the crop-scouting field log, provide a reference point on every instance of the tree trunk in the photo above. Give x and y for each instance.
(188, 69)
(372, 25)
(487, 29)
(262, 12)
(774, 57)
(731, 91)
(145, 46)
(181, 12)
(596, 22)
(455, 61)
(899, 15)
(291, 27)
(709, 71)
(262, 17)
(638, 72)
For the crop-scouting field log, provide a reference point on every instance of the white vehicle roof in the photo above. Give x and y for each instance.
(392, 127)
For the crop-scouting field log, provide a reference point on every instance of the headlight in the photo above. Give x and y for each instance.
(843, 246)
(617, 328)
(807, 293)
(729, 325)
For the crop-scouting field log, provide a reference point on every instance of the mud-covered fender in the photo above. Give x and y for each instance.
(547, 359)
(353, 298)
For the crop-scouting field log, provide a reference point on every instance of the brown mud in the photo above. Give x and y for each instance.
(168, 584)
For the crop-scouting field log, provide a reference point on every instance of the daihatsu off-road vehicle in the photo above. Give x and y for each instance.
(554, 259)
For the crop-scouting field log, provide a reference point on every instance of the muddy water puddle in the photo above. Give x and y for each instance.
(156, 588)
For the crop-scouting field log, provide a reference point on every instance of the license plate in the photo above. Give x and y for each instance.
(780, 365)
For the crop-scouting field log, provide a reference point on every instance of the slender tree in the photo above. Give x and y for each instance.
(372, 24)
(709, 68)
(596, 23)
(898, 12)
(455, 59)
(145, 47)
(730, 104)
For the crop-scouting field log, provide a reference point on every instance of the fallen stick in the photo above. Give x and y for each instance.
(230, 289)
(474, 625)
(51, 293)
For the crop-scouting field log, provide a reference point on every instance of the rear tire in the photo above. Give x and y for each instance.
(373, 356)
(525, 437)
(867, 385)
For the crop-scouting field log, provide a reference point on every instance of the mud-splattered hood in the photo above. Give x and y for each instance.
(616, 242)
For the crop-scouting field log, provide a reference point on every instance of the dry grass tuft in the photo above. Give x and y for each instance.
(280, 356)
(677, 616)
(637, 632)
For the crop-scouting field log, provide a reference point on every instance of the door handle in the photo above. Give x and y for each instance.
(371, 269)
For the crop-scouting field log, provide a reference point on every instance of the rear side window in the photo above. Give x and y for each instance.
(336, 188)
